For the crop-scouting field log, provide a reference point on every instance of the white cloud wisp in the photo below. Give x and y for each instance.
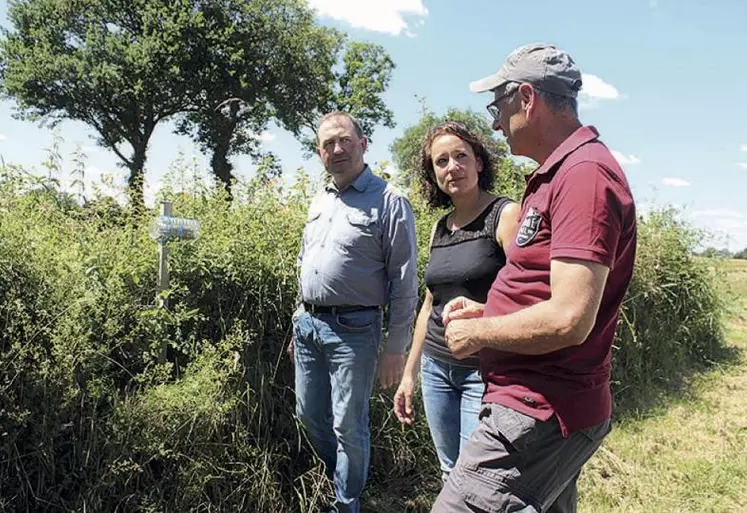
(388, 16)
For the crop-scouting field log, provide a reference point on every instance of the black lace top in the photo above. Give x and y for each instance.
(462, 263)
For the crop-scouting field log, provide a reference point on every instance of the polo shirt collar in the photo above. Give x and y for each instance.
(581, 136)
(359, 184)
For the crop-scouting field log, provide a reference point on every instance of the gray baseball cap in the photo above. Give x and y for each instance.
(540, 64)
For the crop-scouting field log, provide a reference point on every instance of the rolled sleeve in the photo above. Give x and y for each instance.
(400, 252)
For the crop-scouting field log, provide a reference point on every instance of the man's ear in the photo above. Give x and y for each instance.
(526, 95)
(364, 144)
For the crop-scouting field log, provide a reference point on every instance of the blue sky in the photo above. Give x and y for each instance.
(665, 84)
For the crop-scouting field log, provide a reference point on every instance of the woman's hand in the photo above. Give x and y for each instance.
(403, 402)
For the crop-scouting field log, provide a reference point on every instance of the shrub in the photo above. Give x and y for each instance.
(92, 418)
(672, 318)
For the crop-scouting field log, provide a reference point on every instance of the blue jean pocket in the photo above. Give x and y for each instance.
(356, 321)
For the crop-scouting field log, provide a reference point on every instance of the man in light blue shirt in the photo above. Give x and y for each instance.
(358, 255)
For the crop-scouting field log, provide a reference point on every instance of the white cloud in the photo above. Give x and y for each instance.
(742, 164)
(625, 160)
(3, 137)
(594, 91)
(743, 147)
(377, 15)
(675, 182)
(266, 136)
(596, 88)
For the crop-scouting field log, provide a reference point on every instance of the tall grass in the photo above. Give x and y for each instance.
(672, 320)
(92, 420)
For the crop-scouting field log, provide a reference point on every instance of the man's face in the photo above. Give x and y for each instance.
(509, 118)
(340, 147)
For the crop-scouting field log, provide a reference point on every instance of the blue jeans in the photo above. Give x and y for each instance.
(335, 357)
(452, 396)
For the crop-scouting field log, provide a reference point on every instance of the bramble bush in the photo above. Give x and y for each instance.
(92, 418)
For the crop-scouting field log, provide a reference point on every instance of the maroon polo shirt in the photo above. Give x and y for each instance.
(576, 205)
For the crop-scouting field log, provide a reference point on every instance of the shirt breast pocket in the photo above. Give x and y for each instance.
(361, 229)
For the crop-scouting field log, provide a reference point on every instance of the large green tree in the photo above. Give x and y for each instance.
(365, 74)
(120, 66)
(262, 60)
(406, 150)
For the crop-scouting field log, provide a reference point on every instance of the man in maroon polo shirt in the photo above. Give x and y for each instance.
(546, 331)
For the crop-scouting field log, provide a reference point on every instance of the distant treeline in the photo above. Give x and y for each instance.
(722, 253)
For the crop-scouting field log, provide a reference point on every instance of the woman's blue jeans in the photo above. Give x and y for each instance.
(452, 396)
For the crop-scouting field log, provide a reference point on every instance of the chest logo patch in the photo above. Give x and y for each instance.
(529, 227)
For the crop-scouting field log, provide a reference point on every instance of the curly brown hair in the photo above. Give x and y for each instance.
(434, 196)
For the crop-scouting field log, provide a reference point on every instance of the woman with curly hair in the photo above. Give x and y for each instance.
(466, 252)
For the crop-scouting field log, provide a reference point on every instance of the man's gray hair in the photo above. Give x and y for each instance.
(556, 102)
(559, 103)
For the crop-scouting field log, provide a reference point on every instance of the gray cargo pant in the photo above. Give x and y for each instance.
(514, 463)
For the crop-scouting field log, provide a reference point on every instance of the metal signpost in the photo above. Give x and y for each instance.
(166, 228)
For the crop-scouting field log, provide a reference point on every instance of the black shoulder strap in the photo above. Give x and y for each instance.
(495, 214)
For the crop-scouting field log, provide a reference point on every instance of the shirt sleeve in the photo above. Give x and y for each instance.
(586, 214)
(400, 254)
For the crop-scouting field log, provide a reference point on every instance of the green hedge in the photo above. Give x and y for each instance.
(92, 420)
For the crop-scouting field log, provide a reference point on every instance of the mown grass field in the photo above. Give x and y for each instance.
(687, 456)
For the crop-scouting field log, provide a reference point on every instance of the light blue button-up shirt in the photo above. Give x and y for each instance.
(359, 248)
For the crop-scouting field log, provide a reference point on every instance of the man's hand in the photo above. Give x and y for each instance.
(391, 366)
(403, 407)
(460, 337)
(461, 308)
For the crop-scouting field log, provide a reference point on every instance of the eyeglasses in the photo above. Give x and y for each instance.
(493, 106)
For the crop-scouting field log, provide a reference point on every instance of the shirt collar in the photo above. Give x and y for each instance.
(359, 184)
(581, 136)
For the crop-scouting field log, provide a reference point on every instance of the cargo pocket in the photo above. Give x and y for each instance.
(491, 464)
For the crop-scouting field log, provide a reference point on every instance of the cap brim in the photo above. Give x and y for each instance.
(486, 84)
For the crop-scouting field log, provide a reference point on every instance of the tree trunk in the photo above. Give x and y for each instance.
(221, 145)
(221, 166)
(136, 180)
